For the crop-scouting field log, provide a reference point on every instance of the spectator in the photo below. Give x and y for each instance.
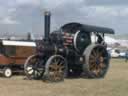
(126, 56)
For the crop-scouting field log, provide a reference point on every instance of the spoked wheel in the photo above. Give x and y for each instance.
(33, 67)
(55, 69)
(96, 61)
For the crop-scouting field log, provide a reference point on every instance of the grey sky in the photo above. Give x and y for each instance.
(107, 2)
(22, 16)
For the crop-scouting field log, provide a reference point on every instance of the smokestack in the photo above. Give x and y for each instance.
(47, 18)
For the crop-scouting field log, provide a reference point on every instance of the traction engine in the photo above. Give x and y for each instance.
(69, 51)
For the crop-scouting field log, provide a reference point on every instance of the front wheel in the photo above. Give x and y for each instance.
(55, 69)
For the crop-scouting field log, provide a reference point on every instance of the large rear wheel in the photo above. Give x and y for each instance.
(96, 61)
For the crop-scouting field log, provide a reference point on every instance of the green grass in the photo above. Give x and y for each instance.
(114, 84)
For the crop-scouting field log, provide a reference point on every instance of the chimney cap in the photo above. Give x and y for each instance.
(47, 13)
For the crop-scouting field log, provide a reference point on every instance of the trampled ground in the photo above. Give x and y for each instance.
(114, 84)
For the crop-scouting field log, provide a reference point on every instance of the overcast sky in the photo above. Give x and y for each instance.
(22, 16)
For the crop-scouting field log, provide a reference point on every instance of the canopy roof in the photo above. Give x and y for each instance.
(87, 28)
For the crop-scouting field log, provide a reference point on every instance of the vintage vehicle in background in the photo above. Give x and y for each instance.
(13, 55)
(116, 53)
(69, 51)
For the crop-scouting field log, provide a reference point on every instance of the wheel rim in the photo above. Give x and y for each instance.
(8, 72)
(98, 61)
(56, 69)
(33, 69)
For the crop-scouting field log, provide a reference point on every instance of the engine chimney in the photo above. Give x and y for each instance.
(47, 18)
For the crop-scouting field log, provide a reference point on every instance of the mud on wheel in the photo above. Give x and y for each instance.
(33, 67)
(96, 61)
(55, 69)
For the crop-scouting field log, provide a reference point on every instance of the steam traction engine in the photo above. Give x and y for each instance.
(69, 51)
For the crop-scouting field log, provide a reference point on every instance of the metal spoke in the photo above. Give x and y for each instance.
(52, 66)
(92, 61)
(61, 63)
(97, 72)
(93, 66)
(29, 70)
(94, 53)
(92, 56)
(103, 52)
(102, 65)
(97, 50)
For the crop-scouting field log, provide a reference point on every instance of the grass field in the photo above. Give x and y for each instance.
(114, 84)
